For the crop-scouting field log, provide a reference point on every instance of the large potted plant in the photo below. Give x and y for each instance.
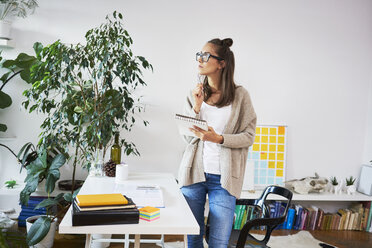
(87, 91)
(14, 8)
(87, 94)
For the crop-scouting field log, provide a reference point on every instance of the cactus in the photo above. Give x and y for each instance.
(350, 181)
(334, 181)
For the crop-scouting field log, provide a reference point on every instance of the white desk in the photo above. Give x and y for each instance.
(176, 218)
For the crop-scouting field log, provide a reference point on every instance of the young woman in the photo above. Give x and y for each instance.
(213, 164)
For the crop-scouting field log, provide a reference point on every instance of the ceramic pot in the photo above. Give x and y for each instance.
(351, 189)
(48, 240)
(337, 189)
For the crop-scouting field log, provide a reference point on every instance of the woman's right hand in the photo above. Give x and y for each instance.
(198, 95)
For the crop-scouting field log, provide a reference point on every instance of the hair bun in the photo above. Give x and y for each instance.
(227, 42)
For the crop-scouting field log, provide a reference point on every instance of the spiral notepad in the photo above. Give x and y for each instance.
(186, 122)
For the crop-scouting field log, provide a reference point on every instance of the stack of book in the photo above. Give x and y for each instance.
(104, 209)
(357, 217)
(149, 213)
(28, 210)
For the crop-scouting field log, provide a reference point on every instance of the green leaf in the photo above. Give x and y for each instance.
(5, 100)
(77, 109)
(9, 63)
(24, 61)
(68, 197)
(26, 75)
(5, 76)
(38, 230)
(38, 47)
(25, 148)
(46, 203)
(52, 178)
(3, 127)
(57, 162)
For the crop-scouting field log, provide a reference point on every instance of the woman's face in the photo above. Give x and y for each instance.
(211, 66)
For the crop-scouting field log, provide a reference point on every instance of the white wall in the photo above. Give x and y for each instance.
(368, 135)
(307, 64)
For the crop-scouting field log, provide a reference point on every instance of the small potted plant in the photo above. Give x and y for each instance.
(350, 187)
(13, 8)
(42, 165)
(336, 186)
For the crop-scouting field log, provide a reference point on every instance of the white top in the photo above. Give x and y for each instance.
(216, 118)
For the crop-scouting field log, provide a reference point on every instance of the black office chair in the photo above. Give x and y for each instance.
(242, 238)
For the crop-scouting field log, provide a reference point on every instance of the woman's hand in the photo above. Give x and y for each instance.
(198, 95)
(209, 135)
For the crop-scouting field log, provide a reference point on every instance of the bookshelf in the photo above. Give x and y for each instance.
(325, 197)
(325, 200)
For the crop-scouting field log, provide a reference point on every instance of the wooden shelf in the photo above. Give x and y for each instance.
(7, 43)
(312, 196)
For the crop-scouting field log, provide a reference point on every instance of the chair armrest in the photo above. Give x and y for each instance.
(270, 223)
(246, 201)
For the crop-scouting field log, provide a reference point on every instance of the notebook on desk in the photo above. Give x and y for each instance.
(104, 217)
(186, 122)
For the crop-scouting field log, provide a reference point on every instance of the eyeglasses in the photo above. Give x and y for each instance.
(205, 56)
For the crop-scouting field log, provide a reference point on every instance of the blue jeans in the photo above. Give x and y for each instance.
(221, 211)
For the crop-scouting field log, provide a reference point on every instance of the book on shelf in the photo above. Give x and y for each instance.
(290, 218)
(244, 218)
(101, 200)
(130, 204)
(319, 219)
(298, 217)
(305, 212)
(313, 217)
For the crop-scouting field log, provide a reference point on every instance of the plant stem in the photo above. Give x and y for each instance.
(15, 74)
(10, 151)
(75, 159)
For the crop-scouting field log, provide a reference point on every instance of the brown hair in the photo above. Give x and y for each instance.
(222, 48)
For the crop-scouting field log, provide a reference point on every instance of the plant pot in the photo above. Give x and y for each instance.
(351, 189)
(101, 244)
(48, 240)
(67, 184)
(337, 189)
(5, 27)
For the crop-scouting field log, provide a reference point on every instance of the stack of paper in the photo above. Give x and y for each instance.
(149, 213)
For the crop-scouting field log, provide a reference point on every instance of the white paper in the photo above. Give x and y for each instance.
(142, 195)
(184, 124)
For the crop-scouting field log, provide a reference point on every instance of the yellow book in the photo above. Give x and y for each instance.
(100, 200)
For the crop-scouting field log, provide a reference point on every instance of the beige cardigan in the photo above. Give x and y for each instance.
(238, 136)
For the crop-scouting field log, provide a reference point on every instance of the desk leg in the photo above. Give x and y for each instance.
(185, 240)
(88, 240)
(137, 240)
(126, 243)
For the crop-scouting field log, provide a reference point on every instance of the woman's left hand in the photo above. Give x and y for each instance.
(209, 135)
